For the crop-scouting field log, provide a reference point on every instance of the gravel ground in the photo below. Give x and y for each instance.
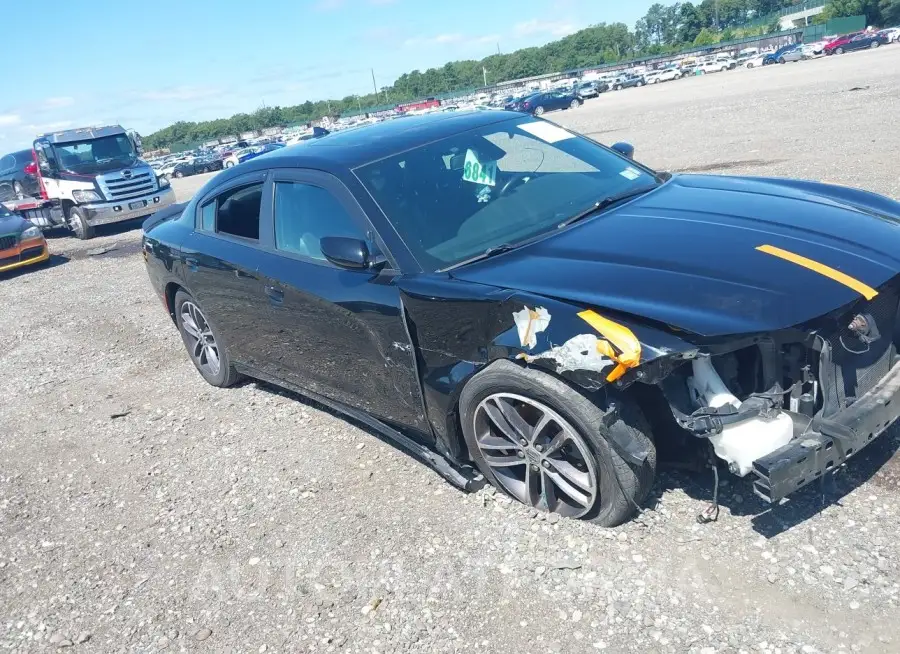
(143, 510)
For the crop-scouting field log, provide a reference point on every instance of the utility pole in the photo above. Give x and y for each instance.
(374, 85)
(716, 4)
(498, 48)
(484, 72)
(358, 103)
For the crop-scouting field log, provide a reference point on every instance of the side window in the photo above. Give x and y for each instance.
(208, 216)
(234, 212)
(237, 211)
(304, 214)
(7, 163)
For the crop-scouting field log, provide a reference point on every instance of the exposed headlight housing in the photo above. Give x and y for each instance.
(31, 232)
(85, 196)
(163, 181)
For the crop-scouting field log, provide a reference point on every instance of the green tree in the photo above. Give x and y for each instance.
(706, 37)
(890, 12)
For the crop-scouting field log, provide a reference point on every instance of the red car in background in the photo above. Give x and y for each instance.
(837, 46)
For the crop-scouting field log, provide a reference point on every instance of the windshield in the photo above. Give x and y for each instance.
(497, 185)
(96, 155)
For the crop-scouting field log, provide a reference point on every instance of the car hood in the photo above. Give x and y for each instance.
(686, 254)
(11, 223)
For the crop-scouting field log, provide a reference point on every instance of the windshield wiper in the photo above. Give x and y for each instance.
(498, 249)
(606, 203)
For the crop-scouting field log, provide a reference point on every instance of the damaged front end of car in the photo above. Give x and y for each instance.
(786, 406)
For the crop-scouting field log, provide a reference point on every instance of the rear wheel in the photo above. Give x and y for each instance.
(179, 174)
(228, 164)
(574, 104)
(839, 51)
(538, 111)
(549, 447)
(639, 84)
(781, 60)
(203, 346)
(78, 224)
(875, 44)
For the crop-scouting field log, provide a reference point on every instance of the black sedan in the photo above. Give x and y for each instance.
(495, 292)
(18, 176)
(538, 103)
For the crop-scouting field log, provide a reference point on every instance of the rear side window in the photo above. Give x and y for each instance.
(235, 212)
(304, 214)
(7, 163)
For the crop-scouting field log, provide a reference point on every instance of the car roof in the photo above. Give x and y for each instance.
(356, 146)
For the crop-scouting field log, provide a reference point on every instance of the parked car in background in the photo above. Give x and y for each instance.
(18, 176)
(629, 81)
(208, 163)
(664, 75)
(837, 45)
(792, 54)
(712, 67)
(21, 242)
(755, 62)
(539, 103)
(862, 42)
(587, 90)
(246, 154)
(892, 34)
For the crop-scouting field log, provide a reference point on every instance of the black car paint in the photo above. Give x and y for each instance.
(865, 41)
(675, 266)
(549, 101)
(12, 170)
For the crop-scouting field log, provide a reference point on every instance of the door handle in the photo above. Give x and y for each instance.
(240, 274)
(276, 295)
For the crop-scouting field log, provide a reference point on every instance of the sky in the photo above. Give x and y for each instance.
(145, 65)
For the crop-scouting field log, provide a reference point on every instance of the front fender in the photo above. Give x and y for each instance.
(460, 327)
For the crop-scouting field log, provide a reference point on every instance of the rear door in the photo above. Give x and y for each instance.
(339, 333)
(221, 264)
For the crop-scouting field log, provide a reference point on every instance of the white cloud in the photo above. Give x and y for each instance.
(46, 128)
(442, 39)
(9, 119)
(59, 102)
(535, 26)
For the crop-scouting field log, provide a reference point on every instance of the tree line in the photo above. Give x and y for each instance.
(664, 29)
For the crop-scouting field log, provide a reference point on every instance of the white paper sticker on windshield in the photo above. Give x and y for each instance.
(546, 131)
(630, 173)
(479, 172)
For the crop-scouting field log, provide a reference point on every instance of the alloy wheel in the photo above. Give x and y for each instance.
(202, 344)
(536, 455)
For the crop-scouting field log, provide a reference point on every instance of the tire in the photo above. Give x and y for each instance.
(875, 44)
(228, 164)
(574, 104)
(749, 66)
(178, 174)
(539, 111)
(222, 376)
(78, 224)
(781, 60)
(618, 486)
(18, 191)
(839, 51)
(639, 84)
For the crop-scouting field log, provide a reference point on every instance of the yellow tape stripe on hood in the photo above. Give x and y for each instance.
(624, 340)
(866, 291)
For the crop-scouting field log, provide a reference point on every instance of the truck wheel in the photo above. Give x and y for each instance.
(545, 444)
(79, 225)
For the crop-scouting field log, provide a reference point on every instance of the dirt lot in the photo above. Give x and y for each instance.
(144, 510)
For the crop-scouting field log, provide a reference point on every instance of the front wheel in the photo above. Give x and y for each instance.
(749, 66)
(875, 44)
(79, 224)
(228, 164)
(202, 343)
(639, 84)
(574, 104)
(179, 174)
(781, 60)
(839, 51)
(548, 446)
(538, 111)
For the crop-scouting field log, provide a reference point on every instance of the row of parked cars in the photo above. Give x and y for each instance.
(195, 163)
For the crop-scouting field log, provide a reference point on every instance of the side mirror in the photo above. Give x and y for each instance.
(625, 149)
(350, 253)
(31, 168)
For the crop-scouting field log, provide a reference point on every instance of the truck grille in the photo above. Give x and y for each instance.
(7, 242)
(853, 366)
(115, 186)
